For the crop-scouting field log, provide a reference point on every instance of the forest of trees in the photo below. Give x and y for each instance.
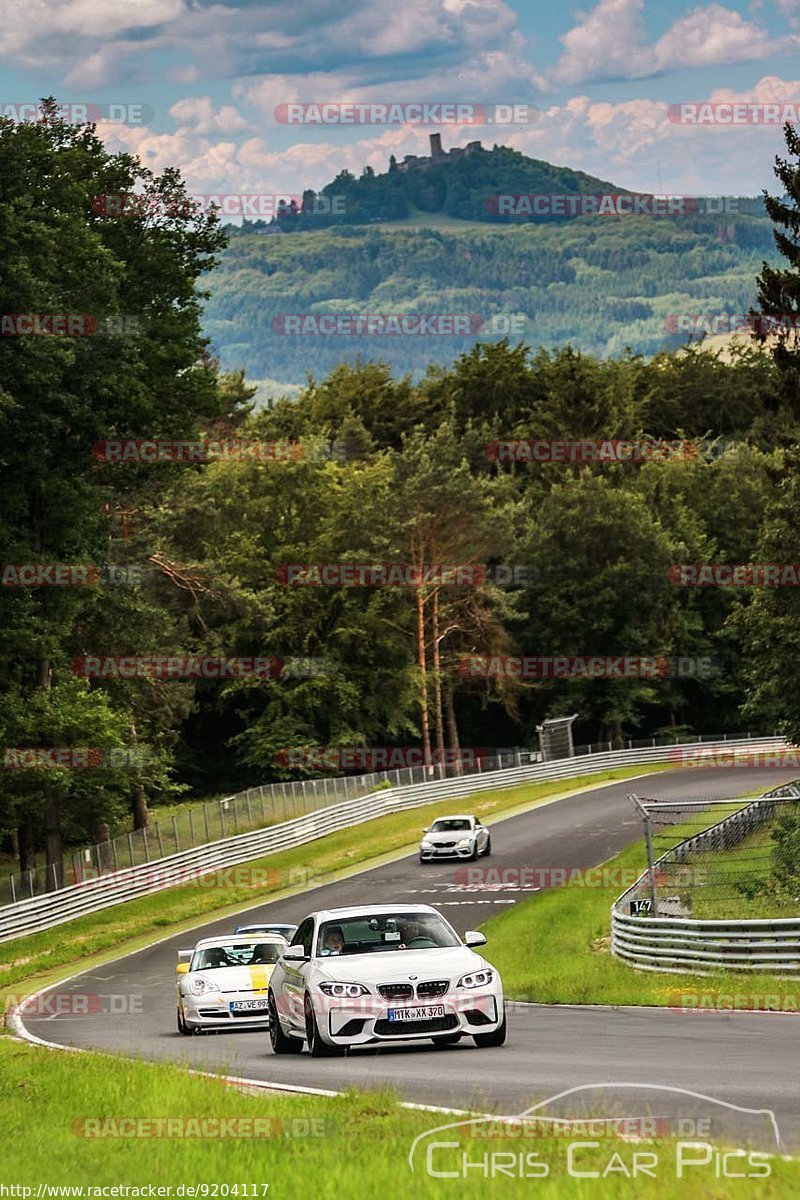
(604, 284)
(388, 467)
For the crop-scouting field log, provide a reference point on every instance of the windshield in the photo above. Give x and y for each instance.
(451, 825)
(384, 931)
(236, 954)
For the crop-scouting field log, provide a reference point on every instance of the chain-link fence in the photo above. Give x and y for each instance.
(721, 859)
(665, 739)
(198, 824)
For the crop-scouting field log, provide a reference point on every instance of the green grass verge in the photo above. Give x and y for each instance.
(750, 864)
(356, 1145)
(555, 948)
(126, 927)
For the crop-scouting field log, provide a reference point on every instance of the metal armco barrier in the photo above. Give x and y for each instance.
(116, 887)
(679, 944)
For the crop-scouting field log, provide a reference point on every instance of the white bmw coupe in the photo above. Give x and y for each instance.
(382, 974)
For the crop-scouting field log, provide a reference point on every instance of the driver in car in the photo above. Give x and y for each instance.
(334, 941)
(216, 957)
(409, 930)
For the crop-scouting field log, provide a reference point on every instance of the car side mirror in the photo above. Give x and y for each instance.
(294, 954)
(182, 969)
(473, 938)
(427, 829)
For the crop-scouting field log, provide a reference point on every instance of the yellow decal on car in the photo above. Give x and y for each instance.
(259, 977)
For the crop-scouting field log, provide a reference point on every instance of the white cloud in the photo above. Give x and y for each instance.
(105, 41)
(196, 115)
(632, 144)
(487, 77)
(609, 43)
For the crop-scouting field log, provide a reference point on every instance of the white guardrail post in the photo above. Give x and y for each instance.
(116, 887)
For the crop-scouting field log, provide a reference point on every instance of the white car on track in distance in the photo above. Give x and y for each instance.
(458, 836)
(285, 930)
(222, 983)
(382, 974)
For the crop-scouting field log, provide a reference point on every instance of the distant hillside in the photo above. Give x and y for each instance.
(462, 183)
(599, 283)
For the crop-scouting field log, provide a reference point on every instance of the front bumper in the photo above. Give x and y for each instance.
(436, 852)
(214, 1011)
(367, 1021)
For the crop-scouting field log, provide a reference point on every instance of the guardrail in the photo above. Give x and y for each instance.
(256, 807)
(676, 944)
(117, 887)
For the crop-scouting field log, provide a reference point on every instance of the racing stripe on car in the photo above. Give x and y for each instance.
(259, 977)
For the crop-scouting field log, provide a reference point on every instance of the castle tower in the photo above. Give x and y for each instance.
(436, 145)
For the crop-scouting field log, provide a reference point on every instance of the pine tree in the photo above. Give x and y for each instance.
(779, 288)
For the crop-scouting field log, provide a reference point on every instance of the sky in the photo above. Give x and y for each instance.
(199, 84)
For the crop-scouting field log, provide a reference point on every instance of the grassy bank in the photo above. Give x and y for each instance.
(356, 1145)
(127, 926)
(555, 948)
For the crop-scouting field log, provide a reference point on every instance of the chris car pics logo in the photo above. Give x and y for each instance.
(676, 1144)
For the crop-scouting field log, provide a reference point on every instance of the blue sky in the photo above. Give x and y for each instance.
(600, 77)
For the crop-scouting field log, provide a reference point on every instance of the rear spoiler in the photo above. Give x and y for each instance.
(185, 955)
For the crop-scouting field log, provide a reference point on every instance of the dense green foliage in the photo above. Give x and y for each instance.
(392, 468)
(600, 283)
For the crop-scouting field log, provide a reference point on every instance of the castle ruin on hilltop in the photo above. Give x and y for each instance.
(437, 154)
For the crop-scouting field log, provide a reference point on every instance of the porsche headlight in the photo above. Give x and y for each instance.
(476, 979)
(199, 986)
(343, 991)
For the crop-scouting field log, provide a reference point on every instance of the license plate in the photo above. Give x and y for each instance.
(416, 1014)
(249, 1005)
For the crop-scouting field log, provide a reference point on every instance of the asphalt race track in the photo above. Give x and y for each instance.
(747, 1060)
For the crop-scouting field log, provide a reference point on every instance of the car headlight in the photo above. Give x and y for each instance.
(199, 986)
(464, 842)
(344, 990)
(426, 845)
(476, 979)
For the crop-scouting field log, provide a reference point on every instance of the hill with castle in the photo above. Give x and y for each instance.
(457, 183)
(422, 237)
